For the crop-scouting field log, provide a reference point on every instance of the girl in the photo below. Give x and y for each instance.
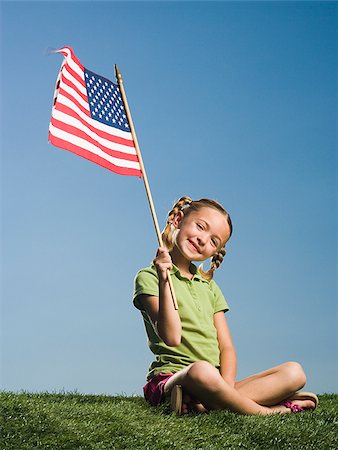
(193, 346)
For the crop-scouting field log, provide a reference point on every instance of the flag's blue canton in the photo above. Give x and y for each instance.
(105, 102)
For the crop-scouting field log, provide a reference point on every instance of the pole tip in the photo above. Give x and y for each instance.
(117, 73)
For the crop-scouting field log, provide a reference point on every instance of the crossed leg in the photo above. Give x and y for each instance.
(259, 394)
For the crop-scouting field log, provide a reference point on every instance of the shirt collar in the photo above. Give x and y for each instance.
(195, 270)
(176, 271)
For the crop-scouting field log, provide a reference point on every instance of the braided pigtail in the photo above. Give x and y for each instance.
(168, 234)
(216, 261)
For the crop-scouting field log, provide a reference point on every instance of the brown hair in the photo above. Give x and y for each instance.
(187, 205)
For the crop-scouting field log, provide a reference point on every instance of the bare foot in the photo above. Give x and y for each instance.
(191, 404)
(305, 404)
(185, 403)
(281, 409)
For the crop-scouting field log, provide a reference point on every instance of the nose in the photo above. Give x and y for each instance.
(201, 238)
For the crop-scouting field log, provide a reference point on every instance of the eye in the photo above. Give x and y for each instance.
(214, 242)
(200, 226)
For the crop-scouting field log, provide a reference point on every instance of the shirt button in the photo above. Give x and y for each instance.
(193, 292)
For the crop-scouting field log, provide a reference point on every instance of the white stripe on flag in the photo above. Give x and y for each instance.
(74, 81)
(72, 92)
(82, 143)
(65, 118)
(98, 125)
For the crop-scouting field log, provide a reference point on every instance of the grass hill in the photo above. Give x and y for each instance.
(91, 422)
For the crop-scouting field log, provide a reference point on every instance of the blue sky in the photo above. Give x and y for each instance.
(235, 101)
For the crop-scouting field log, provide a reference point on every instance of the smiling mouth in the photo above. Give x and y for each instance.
(194, 246)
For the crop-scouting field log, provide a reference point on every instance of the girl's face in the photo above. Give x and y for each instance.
(201, 233)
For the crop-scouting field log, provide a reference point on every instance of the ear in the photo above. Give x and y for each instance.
(177, 219)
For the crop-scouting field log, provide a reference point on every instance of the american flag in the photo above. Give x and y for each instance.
(89, 118)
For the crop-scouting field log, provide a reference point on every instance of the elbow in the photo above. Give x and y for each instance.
(172, 341)
(171, 337)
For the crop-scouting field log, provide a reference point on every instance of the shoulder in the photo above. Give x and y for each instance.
(145, 283)
(214, 287)
(220, 302)
(146, 273)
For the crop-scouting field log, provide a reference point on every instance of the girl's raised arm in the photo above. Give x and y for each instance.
(160, 309)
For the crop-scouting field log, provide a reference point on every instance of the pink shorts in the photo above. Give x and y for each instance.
(154, 389)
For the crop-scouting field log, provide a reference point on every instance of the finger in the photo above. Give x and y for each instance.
(162, 251)
(163, 258)
(164, 266)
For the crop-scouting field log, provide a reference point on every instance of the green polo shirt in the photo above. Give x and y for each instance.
(198, 300)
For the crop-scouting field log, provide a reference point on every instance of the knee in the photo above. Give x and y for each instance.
(202, 373)
(295, 375)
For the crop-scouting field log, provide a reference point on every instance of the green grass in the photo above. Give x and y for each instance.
(75, 421)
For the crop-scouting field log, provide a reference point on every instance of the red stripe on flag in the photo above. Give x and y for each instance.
(72, 100)
(116, 139)
(71, 85)
(75, 75)
(81, 134)
(73, 57)
(92, 157)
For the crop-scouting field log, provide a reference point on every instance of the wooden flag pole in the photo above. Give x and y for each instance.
(144, 175)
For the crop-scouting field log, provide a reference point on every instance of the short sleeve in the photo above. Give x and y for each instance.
(145, 283)
(220, 303)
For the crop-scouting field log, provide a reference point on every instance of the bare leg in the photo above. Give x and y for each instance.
(202, 381)
(273, 385)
